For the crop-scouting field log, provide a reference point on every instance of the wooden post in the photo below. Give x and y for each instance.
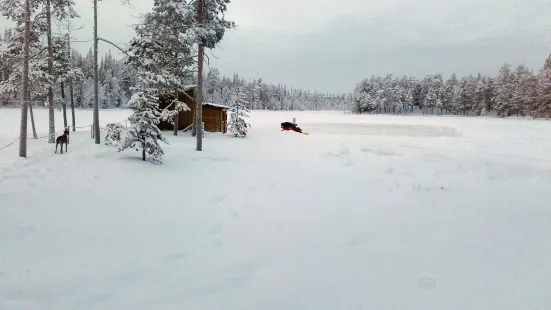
(294, 121)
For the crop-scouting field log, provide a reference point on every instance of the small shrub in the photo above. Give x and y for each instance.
(114, 134)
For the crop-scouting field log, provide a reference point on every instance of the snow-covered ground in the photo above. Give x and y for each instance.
(366, 212)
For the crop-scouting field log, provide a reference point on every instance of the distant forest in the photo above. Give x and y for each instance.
(513, 92)
(517, 91)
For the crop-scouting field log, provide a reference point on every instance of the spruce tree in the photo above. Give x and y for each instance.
(238, 114)
(143, 132)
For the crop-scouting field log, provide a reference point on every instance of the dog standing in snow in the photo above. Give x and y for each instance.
(63, 139)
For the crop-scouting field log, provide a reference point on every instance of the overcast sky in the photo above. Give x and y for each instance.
(329, 45)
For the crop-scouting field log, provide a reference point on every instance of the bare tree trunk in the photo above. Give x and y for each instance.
(194, 122)
(71, 93)
(25, 82)
(51, 109)
(32, 121)
(35, 136)
(96, 91)
(72, 104)
(176, 117)
(199, 97)
(64, 105)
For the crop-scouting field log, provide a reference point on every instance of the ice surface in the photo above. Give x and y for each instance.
(366, 212)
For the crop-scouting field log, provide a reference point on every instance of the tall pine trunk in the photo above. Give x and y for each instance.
(32, 121)
(199, 97)
(72, 104)
(96, 77)
(35, 136)
(193, 131)
(25, 81)
(64, 105)
(51, 109)
(71, 91)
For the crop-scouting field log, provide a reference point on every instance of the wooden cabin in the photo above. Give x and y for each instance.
(215, 116)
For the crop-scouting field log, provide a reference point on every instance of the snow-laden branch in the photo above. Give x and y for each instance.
(115, 45)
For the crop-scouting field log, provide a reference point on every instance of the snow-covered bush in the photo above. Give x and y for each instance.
(238, 114)
(114, 134)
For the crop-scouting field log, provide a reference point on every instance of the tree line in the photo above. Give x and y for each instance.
(261, 95)
(115, 76)
(515, 91)
(118, 76)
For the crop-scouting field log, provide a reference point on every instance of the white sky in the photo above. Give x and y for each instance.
(331, 45)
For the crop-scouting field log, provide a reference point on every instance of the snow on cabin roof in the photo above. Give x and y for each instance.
(188, 87)
(216, 105)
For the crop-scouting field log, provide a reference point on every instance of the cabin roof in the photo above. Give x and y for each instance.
(216, 105)
(188, 87)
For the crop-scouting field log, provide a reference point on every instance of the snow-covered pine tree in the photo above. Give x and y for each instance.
(542, 104)
(467, 95)
(457, 99)
(12, 57)
(212, 83)
(238, 124)
(63, 72)
(21, 13)
(447, 93)
(504, 91)
(547, 64)
(431, 100)
(143, 133)
(431, 89)
(480, 105)
(257, 94)
(438, 84)
(523, 95)
(489, 93)
(403, 96)
(163, 47)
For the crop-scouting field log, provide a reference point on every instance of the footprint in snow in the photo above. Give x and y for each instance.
(220, 198)
(217, 229)
(217, 244)
(176, 256)
(354, 243)
(235, 214)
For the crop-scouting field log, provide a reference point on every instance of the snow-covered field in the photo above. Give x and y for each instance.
(367, 212)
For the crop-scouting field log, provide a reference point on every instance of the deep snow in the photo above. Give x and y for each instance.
(367, 212)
